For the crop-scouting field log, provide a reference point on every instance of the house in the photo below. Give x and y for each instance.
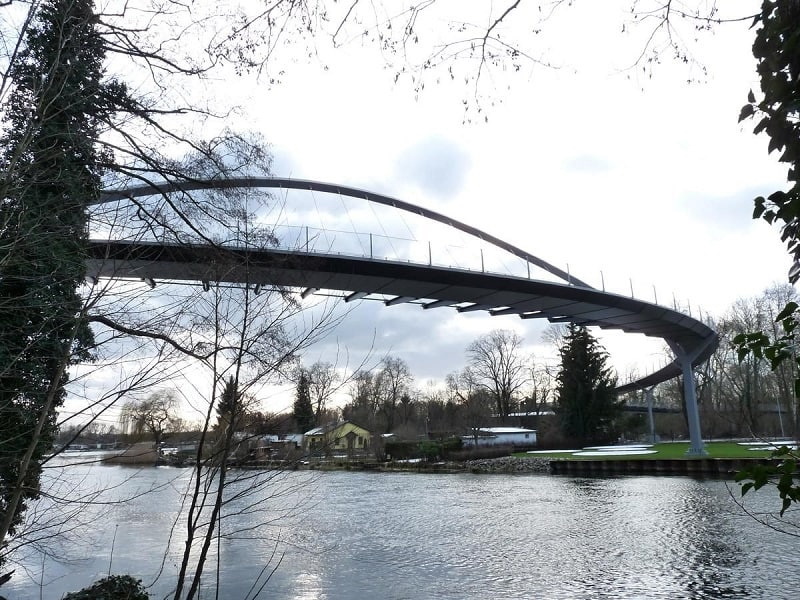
(294, 438)
(269, 447)
(345, 436)
(501, 436)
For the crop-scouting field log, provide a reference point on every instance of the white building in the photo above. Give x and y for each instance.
(501, 436)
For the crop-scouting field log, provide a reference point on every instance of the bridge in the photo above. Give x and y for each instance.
(394, 282)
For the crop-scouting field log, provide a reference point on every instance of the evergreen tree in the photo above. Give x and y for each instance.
(586, 400)
(51, 171)
(229, 407)
(303, 410)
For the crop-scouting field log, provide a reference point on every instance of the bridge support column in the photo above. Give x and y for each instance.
(696, 447)
(648, 395)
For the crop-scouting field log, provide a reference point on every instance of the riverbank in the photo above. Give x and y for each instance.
(725, 460)
(712, 467)
(504, 465)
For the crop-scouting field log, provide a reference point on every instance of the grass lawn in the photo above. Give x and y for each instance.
(668, 450)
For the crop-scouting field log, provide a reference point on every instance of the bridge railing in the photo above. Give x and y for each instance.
(470, 257)
(487, 259)
(474, 257)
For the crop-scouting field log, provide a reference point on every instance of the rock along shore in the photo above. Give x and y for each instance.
(505, 464)
(509, 464)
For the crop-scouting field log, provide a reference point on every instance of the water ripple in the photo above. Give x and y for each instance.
(407, 536)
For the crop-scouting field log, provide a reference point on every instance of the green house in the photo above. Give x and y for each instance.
(345, 436)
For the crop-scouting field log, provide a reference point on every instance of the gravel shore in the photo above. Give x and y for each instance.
(509, 464)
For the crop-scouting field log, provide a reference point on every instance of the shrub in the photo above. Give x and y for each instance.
(402, 450)
(481, 453)
(430, 451)
(452, 444)
(113, 587)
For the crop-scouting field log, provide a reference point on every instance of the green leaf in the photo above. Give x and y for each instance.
(778, 197)
(741, 475)
(751, 97)
(759, 207)
(789, 325)
(789, 309)
(747, 111)
(786, 504)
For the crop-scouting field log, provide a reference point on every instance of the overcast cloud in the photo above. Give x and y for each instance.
(438, 167)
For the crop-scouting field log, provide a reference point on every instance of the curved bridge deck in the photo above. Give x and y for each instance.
(429, 286)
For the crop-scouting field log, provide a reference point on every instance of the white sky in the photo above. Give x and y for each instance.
(647, 179)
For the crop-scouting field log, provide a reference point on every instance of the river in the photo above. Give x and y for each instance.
(352, 535)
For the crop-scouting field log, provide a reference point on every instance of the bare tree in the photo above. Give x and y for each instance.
(323, 382)
(252, 341)
(393, 381)
(430, 41)
(554, 334)
(157, 415)
(539, 390)
(472, 400)
(436, 408)
(498, 367)
(745, 392)
(365, 398)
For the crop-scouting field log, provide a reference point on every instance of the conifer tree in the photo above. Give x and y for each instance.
(229, 406)
(50, 171)
(303, 409)
(586, 400)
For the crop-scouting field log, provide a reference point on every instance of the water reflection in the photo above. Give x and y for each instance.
(371, 535)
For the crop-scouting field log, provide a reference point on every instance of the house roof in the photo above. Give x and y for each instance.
(328, 427)
(317, 431)
(499, 430)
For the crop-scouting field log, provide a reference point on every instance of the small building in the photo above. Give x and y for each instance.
(501, 436)
(337, 437)
(294, 438)
(270, 447)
